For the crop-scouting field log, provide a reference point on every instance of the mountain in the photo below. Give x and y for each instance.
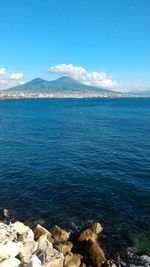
(61, 85)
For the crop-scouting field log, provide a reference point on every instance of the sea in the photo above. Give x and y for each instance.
(72, 162)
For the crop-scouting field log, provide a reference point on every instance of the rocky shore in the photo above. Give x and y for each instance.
(21, 246)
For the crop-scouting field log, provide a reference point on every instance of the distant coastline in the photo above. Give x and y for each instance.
(6, 96)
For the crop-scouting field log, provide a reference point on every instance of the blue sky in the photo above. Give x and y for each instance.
(104, 42)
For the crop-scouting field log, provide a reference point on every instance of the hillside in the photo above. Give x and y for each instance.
(61, 85)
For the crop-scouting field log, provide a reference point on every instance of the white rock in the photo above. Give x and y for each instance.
(51, 258)
(11, 262)
(10, 249)
(7, 232)
(20, 227)
(43, 243)
(28, 236)
(34, 262)
(29, 248)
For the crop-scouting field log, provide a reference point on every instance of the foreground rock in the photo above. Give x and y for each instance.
(43, 243)
(7, 232)
(11, 262)
(96, 228)
(91, 233)
(10, 232)
(34, 262)
(59, 235)
(10, 249)
(20, 228)
(87, 235)
(51, 258)
(64, 247)
(22, 247)
(97, 254)
(26, 236)
(72, 260)
(28, 250)
(40, 230)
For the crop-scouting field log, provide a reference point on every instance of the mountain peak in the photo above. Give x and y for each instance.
(36, 80)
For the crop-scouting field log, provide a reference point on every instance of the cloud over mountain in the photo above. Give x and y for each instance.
(94, 78)
(9, 79)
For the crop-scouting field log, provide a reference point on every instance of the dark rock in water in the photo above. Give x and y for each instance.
(8, 215)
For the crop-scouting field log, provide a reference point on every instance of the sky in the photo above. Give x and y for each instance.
(105, 43)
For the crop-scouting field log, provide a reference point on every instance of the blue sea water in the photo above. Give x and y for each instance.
(72, 162)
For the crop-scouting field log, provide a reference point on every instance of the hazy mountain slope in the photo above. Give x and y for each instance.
(137, 92)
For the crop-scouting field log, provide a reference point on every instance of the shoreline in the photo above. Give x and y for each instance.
(72, 97)
(24, 246)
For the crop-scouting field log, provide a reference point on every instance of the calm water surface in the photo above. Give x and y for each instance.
(74, 161)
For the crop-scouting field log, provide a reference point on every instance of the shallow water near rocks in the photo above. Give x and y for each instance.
(72, 162)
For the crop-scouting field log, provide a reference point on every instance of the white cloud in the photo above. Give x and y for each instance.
(22, 82)
(16, 75)
(99, 79)
(9, 79)
(2, 70)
